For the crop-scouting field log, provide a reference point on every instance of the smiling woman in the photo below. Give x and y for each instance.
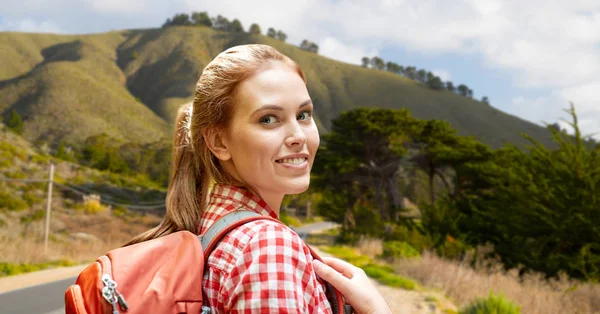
(246, 141)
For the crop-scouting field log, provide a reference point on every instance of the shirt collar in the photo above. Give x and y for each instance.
(241, 196)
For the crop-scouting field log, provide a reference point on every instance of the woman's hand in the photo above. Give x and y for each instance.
(354, 285)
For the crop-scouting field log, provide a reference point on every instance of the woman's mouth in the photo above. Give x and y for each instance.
(292, 161)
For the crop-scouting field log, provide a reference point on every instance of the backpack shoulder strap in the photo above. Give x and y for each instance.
(221, 227)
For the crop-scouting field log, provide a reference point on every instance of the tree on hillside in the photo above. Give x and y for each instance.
(430, 76)
(201, 18)
(411, 72)
(485, 100)
(221, 23)
(377, 63)
(357, 170)
(470, 93)
(450, 87)
(178, 19)
(436, 83)
(15, 123)
(393, 67)
(271, 32)
(282, 36)
(422, 76)
(463, 90)
(255, 29)
(366, 61)
(236, 26)
(309, 46)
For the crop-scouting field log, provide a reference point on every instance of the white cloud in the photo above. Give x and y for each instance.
(551, 108)
(442, 73)
(333, 48)
(118, 6)
(30, 26)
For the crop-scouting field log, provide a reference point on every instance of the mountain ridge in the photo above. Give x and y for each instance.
(129, 84)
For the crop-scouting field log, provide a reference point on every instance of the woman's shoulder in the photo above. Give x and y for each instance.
(261, 237)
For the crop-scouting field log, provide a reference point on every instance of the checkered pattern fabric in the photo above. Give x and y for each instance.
(260, 267)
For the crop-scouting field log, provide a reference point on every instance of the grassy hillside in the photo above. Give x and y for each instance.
(129, 84)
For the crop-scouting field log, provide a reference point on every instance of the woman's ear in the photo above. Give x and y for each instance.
(214, 141)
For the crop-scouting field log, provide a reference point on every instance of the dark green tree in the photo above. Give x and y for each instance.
(377, 63)
(485, 100)
(309, 46)
(15, 123)
(255, 29)
(411, 72)
(221, 23)
(537, 206)
(201, 18)
(281, 36)
(450, 87)
(430, 76)
(463, 90)
(366, 62)
(357, 166)
(236, 26)
(436, 83)
(422, 76)
(271, 32)
(179, 19)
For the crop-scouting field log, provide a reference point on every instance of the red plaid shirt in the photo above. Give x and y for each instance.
(260, 267)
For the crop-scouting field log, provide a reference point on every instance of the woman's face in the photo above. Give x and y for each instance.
(272, 138)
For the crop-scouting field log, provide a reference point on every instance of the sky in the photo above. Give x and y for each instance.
(530, 58)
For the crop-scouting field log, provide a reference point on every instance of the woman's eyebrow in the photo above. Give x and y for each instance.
(279, 108)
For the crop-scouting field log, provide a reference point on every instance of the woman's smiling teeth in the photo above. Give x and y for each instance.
(293, 161)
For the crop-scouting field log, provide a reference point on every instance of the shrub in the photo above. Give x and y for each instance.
(9, 269)
(399, 249)
(493, 304)
(119, 211)
(8, 201)
(384, 274)
(91, 206)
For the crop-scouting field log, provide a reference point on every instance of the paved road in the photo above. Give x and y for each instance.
(42, 299)
(49, 298)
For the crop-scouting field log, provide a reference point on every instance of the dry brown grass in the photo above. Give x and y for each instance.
(74, 236)
(532, 292)
(370, 247)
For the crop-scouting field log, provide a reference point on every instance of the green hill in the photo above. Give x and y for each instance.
(129, 84)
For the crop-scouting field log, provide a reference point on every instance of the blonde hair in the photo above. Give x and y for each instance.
(193, 166)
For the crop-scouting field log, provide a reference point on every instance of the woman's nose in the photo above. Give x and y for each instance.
(296, 135)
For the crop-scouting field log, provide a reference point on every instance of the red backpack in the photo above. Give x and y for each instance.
(160, 275)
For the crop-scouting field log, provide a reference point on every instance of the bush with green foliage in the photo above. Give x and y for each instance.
(15, 122)
(10, 269)
(493, 304)
(11, 202)
(538, 208)
(399, 249)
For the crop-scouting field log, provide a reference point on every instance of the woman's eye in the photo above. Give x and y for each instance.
(304, 115)
(268, 120)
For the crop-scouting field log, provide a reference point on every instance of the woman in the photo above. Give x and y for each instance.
(247, 140)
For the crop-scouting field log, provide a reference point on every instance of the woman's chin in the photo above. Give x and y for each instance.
(296, 187)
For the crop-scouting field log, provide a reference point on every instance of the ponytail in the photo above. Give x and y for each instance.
(188, 186)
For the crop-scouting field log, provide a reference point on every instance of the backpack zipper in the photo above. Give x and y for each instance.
(112, 295)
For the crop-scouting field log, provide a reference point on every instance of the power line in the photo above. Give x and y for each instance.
(84, 192)
(24, 180)
(130, 206)
(157, 203)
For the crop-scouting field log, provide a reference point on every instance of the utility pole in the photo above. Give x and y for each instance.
(47, 227)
